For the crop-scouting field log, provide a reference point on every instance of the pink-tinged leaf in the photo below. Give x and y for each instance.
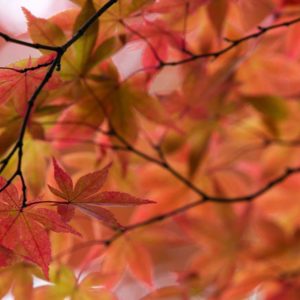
(19, 86)
(63, 180)
(24, 230)
(70, 129)
(10, 195)
(150, 59)
(100, 213)
(167, 292)
(161, 38)
(51, 220)
(36, 243)
(89, 184)
(116, 199)
(27, 238)
(66, 211)
(142, 269)
(93, 279)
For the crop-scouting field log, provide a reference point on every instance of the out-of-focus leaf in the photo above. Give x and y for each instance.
(66, 285)
(9, 135)
(136, 5)
(199, 141)
(17, 278)
(141, 269)
(166, 293)
(122, 116)
(290, 2)
(271, 106)
(217, 11)
(35, 163)
(252, 12)
(106, 49)
(84, 46)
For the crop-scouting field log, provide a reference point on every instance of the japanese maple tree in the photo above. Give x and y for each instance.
(149, 149)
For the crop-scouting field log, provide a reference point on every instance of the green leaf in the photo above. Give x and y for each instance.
(9, 136)
(44, 31)
(64, 282)
(271, 106)
(123, 117)
(84, 46)
(217, 11)
(104, 51)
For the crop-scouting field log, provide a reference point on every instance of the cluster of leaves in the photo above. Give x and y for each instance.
(190, 103)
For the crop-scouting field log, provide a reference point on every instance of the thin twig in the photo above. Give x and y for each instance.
(233, 43)
(25, 70)
(31, 102)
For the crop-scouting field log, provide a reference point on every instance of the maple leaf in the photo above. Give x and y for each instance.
(19, 86)
(85, 196)
(18, 279)
(252, 12)
(65, 284)
(122, 255)
(24, 230)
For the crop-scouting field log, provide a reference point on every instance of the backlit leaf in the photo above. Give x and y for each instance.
(85, 197)
(86, 43)
(25, 229)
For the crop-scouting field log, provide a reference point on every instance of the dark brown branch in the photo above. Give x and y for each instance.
(25, 70)
(233, 43)
(184, 208)
(88, 23)
(54, 65)
(165, 165)
(38, 46)
(138, 34)
(161, 162)
(19, 145)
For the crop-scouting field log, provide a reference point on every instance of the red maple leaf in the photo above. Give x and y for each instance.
(19, 85)
(85, 196)
(24, 230)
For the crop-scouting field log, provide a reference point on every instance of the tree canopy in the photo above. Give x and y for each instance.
(151, 151)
